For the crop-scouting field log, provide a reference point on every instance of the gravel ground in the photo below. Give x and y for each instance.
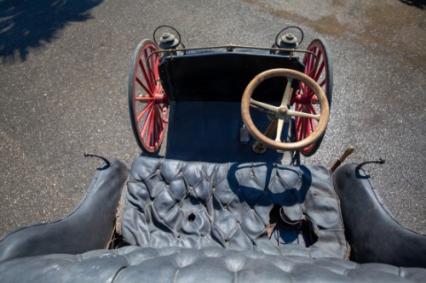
(63, 86)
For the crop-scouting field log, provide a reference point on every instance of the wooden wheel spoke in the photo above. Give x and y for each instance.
(150, 64)
(302, 133)
(310, 70)
(311, 123)
(143, 132)
(140, 115)
(319, 71)
(155, 71)
(311, 109)
(313, 59)
(318, 54)
(308, 67)
(308, 91)
(307, 127)
(306, 61)
(143, 86)
(144, 98)
(147, 78)
(157, 98)
(298, 123)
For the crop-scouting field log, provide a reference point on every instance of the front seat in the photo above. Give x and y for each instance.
(204, 222)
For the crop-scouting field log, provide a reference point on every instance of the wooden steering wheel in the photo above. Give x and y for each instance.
(282, 112)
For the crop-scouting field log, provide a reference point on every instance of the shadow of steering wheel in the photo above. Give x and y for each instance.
(262, 174)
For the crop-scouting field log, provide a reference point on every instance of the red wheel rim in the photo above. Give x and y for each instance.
(148, 101)
(317, 67)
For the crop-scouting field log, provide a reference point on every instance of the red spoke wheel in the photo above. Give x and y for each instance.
(148, 103)
(318, 66)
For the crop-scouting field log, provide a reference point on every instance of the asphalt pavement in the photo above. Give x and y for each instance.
(63, 89)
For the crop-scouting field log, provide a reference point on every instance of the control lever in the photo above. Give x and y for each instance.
(258, 147)
(349, 150)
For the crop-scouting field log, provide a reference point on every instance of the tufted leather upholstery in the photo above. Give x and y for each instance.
(195, 204)
(136, 264)
(224, 241)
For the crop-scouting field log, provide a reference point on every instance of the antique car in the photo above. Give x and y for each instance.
(219, 192)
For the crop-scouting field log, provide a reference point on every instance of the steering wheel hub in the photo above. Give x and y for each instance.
(282, 110)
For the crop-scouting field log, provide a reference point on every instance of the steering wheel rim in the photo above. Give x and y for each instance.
(282, 111)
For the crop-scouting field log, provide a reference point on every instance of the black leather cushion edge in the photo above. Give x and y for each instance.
(374, 235)
(88, 227)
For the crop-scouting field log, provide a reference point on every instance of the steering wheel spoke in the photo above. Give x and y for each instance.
(303, 114)
(287, 93)
(280, 126)
(263, 106)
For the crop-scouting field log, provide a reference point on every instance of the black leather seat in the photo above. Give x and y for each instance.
(374, 235)
(221, 75)
(231, 205)
(137, 264)
(202, 222)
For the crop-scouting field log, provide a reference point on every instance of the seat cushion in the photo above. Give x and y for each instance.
(136, 264)
(172, 203)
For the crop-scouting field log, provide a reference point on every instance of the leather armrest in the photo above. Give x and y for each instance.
(89, 226)
(373, 234)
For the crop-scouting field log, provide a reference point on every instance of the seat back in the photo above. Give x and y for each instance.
(222, 75)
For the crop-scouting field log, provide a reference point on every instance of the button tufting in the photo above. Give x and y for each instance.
(193, 265)
(191, 217)
(235, 263)
(206, 203)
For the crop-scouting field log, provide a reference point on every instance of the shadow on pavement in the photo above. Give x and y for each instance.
(26, 24)
(421, 4)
